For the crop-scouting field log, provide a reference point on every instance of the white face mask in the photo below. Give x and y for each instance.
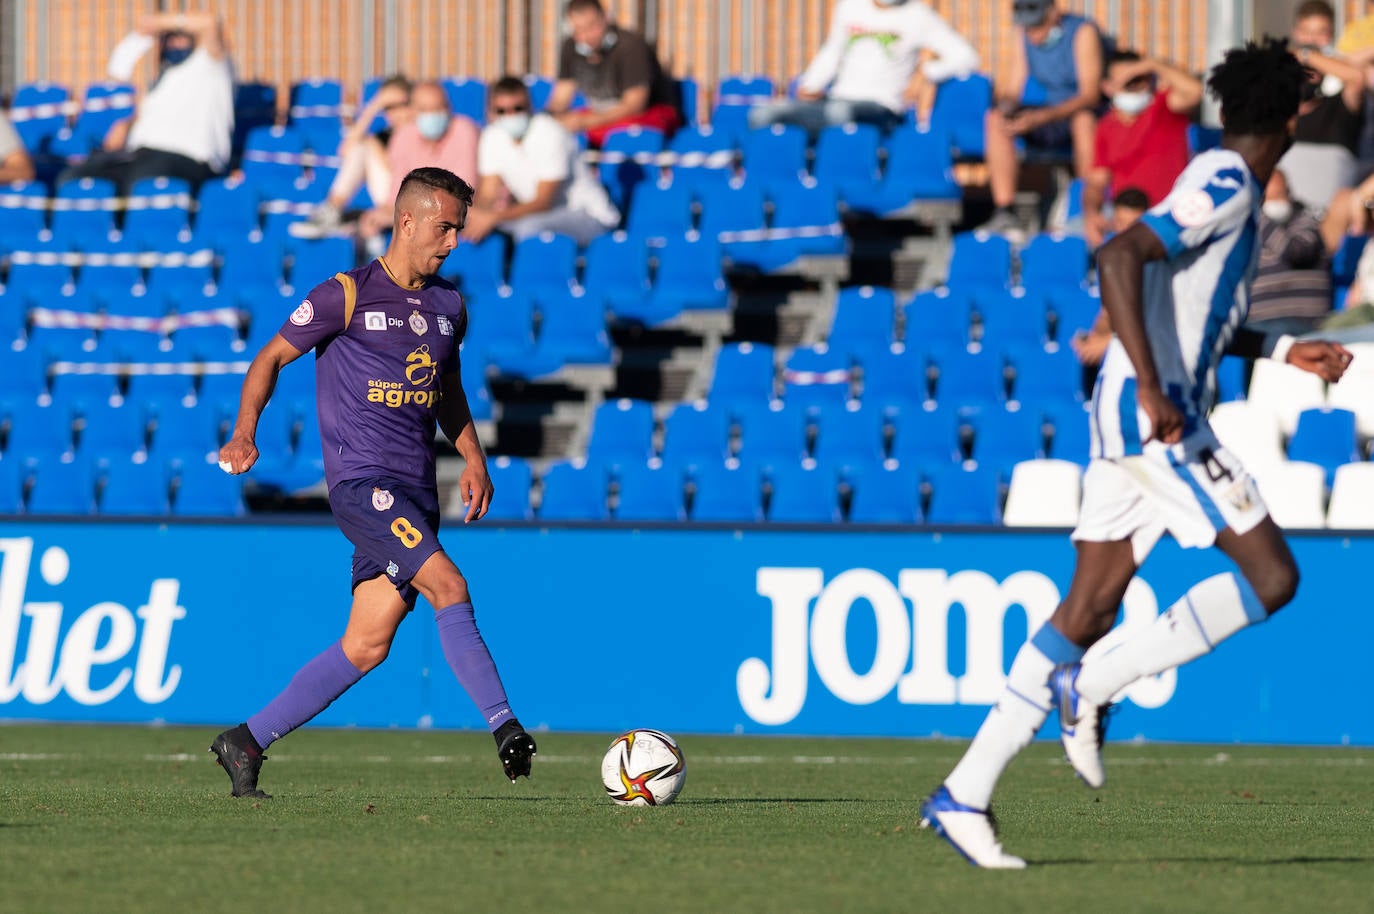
(1278, 210)
(432, 124)
(513, 124)
(1332, 85)
(1131, 102)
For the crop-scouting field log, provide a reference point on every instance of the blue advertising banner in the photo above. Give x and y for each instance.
(689, 630)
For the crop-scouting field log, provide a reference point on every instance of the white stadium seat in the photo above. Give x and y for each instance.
(1294, 492)
(1250, 432)
(1355, 391)
(1352, 498)
(1044, 493)
(1285, 391)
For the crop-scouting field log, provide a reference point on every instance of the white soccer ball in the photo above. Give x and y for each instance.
(643, 768)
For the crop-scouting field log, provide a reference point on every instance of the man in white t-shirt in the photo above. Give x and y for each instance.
(185, 123)
(530, 176)
(870, 68)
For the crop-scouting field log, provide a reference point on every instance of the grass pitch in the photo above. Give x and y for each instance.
(129, 819)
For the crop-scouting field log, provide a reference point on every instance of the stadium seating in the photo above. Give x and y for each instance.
(924, 437)
(1250, 432)
(479, 270)
(887, 493)
(1294, 493)
(512, 479)
(734, 97)
(774, 155)
(1352, 498)
(849, 437)
(544, 264)
(895, 379)
(695, 434)
(467, 97)
(272, 156)
(817, 377)
(733, 214)
(802, 495)
(1285, 391)
(724, 494)
(1004, 438)
(626, 158)
(771, 435)
(961, 105)
(937, 318)
(847, 158)
(805, 223)
(919, 168)
(1009, 317)
(864, 321)
(135, 488)
(960, 495)
(36, 110)
(622, 433)
(705, 156)
(1043, 493)
(980, 259)
(62, 487)
(649, 493)
(743, 373)
(11, 485)
(316, 109)
(1355, 390)
(688, 277)
(83, 210)
(616, 269)
(204, 490)
(1054, 260)
(572, 330)
(573, 491)
(1326, 437)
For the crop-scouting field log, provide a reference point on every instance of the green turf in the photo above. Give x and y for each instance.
(107, 820)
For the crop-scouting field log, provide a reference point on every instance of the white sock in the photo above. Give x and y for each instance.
(1014, 720)
(1207, 615)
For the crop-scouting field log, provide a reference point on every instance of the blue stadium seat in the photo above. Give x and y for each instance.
(12, 477)
(182, 428)
(885, 493)
(622, 433)
(158, 210)
(1054, 260)
(969, 380)
(649, 493)
(1231, 379)
(512, 478)
(79, 393)
(688, 277)
(25, 205)
(724, 494)
(183, 287)
(540, 87)
(919, 168)
(961, 106)
(211, 343)
(733, 208)
(687, 96)
(627, 160)
(735, 95)
(662, 209)
(204, 490)
(1325, 436)
(817, 377)
(865, 317)
(272, 156)
(847, 158)
(896, 378)
(104, 104)
(695, 434)
(774, 155)
(616, 269)
(1002, 438)
(503, 324)
(849, 437)
(574, 490)
(61, 343)
(1072, 311)
(313, 262)
(37, 115)
(38, 278)
(544, 264)
(1346, 259)
(228, 208)
(924, 437)
(771, 435)
(255, 105)
(467, 97)
(62, 487)
(963, 496)
(572, 329)
(706, 156)
(479, 270)
(802, 495)
(744, 373)
(1043, 374)
(134, 488)
(937, 318)
(1070, 438)
(38, 429)
(980, 259)
(285, 202)
(808, 211)
(83, 210)
(1009, 317)
(316, 111)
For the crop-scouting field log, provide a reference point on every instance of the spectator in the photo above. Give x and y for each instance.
(1357, 45)
(870, 68)
(184, 126)
(1063, 53)
(434, 136)
(1090, 345)
(1348, 214)
(1292, 289)
(1322, 160)
(1142, 141)
(15, 163)
(532, 178)
(363, 157)
(618, 74)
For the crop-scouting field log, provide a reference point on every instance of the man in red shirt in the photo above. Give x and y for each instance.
(1143, 140)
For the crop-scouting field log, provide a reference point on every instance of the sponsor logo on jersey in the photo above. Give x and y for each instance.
(392, 569)
(421, 370)
(418, 323)
(414, 301)
(382, 499)
(445, 325)
(375, 320)
(303, 314)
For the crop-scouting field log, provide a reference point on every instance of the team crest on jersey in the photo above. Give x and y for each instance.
(445, 325)
(1193, 208)
(418, 323)
(304, 314)
(382, 499)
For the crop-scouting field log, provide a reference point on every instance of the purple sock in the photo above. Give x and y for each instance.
(311, 690)
(471, 662)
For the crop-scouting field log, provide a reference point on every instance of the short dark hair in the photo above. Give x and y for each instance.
(1132, 198)
(1309, 8)
(440, 179)
(397, 81)
(1123, 55)
(582, 6)
(1259, 87)
(508, 85)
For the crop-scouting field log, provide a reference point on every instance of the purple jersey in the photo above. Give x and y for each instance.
(378, 377)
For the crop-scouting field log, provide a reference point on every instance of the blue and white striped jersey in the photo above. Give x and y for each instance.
(1193, 299)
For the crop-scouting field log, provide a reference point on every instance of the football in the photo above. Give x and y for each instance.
(643, 768)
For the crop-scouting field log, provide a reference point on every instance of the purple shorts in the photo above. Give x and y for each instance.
(393, 527)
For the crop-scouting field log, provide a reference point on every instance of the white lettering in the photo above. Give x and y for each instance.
(81, 651)
(829, 650)
(791, 590)
(158, 615)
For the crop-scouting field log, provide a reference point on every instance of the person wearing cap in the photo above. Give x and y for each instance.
(1063, 54)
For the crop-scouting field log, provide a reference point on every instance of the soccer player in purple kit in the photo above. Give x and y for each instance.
(386, 341)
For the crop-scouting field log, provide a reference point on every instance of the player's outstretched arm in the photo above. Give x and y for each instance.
(1121, 270)
(455, 419)
(240, 453)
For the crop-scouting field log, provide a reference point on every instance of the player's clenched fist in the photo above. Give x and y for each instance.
(238, 456)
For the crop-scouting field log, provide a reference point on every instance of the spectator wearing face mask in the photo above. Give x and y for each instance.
(1322, 159)
(870, 68)
(1143, 140)
(618, 74)
(184, 125)
(1292, 289)
(434, 137)
(532, 178)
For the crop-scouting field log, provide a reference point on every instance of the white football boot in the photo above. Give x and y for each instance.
(1082, 726)
(971, 832)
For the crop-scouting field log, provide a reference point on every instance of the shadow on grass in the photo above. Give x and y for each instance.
(1229, 861)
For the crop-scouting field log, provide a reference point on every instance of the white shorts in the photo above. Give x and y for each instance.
(1193, 490)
